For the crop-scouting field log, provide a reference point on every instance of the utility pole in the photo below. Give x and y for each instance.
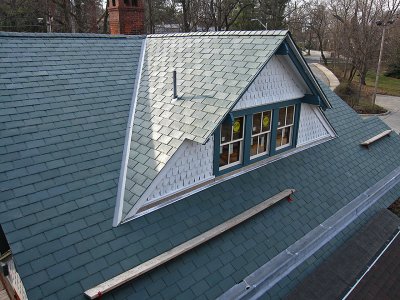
(49, 23)
(378, 70)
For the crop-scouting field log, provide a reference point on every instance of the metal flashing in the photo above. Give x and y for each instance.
(222, 33)
(261, 280)
(162, 202)
(128, 136)
(324, 120)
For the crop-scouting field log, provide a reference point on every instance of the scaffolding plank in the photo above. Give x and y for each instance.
(122, 278)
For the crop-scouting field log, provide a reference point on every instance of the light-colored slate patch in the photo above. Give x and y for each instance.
(211, 75)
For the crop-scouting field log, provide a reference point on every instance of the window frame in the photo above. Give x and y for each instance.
(231, 142)
(248, 122)
(261, 133)
(282, 127)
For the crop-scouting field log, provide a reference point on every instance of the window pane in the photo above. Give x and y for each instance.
(238, 128)
(286, 135)
(226, 133)
(282, 115)
(279, 138)
(266, 121)
(234, 152)
(254, 145)
(223, 155)
(263, 143)
(290, 115)
(256, 123)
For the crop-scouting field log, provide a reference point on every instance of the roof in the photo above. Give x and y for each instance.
(61, 150)
(335, 277)
(383, 280)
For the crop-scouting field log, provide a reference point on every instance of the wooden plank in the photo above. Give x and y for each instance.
(118, 280)
(377, 137)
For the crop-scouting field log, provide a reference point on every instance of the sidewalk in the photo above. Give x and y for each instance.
(391, 103)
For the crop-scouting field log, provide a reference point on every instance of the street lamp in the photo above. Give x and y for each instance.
(384, 24)
(265, 26)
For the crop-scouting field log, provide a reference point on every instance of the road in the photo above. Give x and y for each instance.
(391, 103)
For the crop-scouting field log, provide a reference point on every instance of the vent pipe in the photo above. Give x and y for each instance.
(175, 85)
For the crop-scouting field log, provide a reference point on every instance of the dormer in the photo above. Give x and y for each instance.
(245, 101)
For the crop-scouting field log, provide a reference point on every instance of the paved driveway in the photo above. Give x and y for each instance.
(391, 103)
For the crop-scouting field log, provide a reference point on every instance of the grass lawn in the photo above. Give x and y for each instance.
(363, 103)
(386, 85)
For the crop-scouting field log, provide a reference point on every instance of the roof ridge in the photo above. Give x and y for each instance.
(222, 33)
(108, 36)
(66, 35)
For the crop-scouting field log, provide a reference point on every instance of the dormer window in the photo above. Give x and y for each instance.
(231, 141)
(261, 134)
(285, 127)
(252, 134)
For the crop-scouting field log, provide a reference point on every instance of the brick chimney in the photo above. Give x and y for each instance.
(126, 16)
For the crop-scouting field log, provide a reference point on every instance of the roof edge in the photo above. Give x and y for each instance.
(68, 35)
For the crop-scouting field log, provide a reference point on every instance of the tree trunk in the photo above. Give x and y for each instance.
(351, 74)
(219, 16)
(13, 19)
(66, 14)
(346, 64)
(79, 15)
(363, 75)
(322, 50)
(105, 24)
(185, 12)
(151, 16)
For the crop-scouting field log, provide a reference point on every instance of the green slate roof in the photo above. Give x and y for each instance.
(213, 70)
(63, 129)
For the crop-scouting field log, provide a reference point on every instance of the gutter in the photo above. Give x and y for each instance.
(264, 278)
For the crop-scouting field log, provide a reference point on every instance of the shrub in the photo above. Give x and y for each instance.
(363, 104)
